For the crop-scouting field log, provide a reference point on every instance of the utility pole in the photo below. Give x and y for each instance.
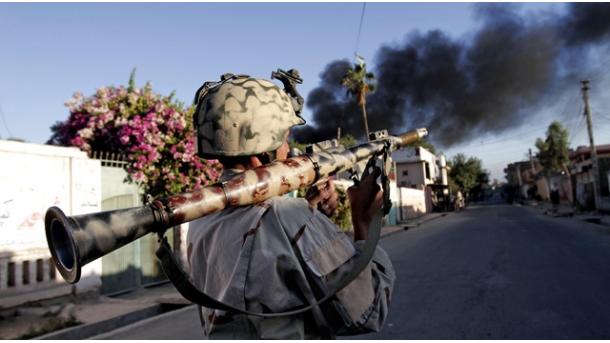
(532, 162)
(594, 165)
(533, 168)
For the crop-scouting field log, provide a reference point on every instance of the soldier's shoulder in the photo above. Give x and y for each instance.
(289, 205)
(291, 211)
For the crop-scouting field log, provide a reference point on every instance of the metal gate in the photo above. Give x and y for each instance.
(135, 264)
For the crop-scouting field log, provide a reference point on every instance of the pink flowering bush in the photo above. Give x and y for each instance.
(155, 134)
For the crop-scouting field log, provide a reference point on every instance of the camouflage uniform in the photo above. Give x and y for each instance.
(244, 256)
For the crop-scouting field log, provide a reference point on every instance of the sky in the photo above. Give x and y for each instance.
(49, 51)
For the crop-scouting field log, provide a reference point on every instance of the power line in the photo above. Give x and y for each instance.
(568, 103)
(512, 137)
(543, 127)
(10, 134)
(518, 135)
(577, 131)
(359, 30)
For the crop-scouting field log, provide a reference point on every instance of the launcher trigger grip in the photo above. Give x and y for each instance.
(370, 165)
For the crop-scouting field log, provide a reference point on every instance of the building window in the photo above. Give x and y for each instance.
(405, 173)
(427, 168)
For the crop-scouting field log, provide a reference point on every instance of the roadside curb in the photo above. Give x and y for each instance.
(425, 219)
(83, 331)
(102, 329)
(412, 223)
(581, 217)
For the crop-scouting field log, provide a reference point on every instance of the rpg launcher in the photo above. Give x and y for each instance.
(77, 240)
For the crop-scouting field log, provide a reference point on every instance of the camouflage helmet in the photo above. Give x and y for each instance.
(241, 116)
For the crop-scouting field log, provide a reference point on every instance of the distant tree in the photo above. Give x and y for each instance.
(348, 140)
(358, 83)
(553, 152)
(467, 174)
(154, 133)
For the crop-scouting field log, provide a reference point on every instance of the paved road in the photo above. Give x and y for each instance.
(179, 324)
(489, 272)
(500, 272)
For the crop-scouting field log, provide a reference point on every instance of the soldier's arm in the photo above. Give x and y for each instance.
(364, 303)
(362, 306)
(329, 255)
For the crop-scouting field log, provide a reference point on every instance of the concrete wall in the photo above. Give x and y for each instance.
(543, 189)
(411, 174)
(411, 203)
(34, 177)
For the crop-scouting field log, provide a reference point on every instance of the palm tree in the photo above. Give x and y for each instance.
(359, 82)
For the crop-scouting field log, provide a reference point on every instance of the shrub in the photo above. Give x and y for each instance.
(154, 132)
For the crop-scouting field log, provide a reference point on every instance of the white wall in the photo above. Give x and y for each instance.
(410, 166)
(34, 177)
(411, 203)
(411, 174)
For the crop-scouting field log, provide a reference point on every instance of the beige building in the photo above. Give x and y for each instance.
(415, 167)
(524, 174)
(582, 175)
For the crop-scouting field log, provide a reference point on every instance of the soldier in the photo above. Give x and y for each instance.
(268, 257)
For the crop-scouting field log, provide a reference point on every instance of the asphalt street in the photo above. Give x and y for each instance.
(489, 272)
(500, 272)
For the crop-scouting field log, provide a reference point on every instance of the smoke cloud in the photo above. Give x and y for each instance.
(492, 81)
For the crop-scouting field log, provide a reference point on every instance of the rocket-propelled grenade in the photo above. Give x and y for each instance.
(77, 240)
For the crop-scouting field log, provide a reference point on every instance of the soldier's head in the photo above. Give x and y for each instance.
(241, 117)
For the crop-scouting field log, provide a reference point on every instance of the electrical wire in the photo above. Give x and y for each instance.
(518, 135)
(575, 131)
(565, 111)
(359, 32)
(578, 131)
(10, 134)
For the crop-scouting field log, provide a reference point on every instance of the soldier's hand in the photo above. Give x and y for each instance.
(324, 197)
(366, 200)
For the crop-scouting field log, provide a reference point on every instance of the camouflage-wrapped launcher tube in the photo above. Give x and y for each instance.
(75, 241)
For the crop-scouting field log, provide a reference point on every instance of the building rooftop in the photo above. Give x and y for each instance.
(585, 151)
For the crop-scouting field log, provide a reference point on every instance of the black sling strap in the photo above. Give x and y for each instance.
(185, 287)
(181, 280)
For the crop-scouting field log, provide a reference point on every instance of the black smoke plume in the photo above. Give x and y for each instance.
(492, 81)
